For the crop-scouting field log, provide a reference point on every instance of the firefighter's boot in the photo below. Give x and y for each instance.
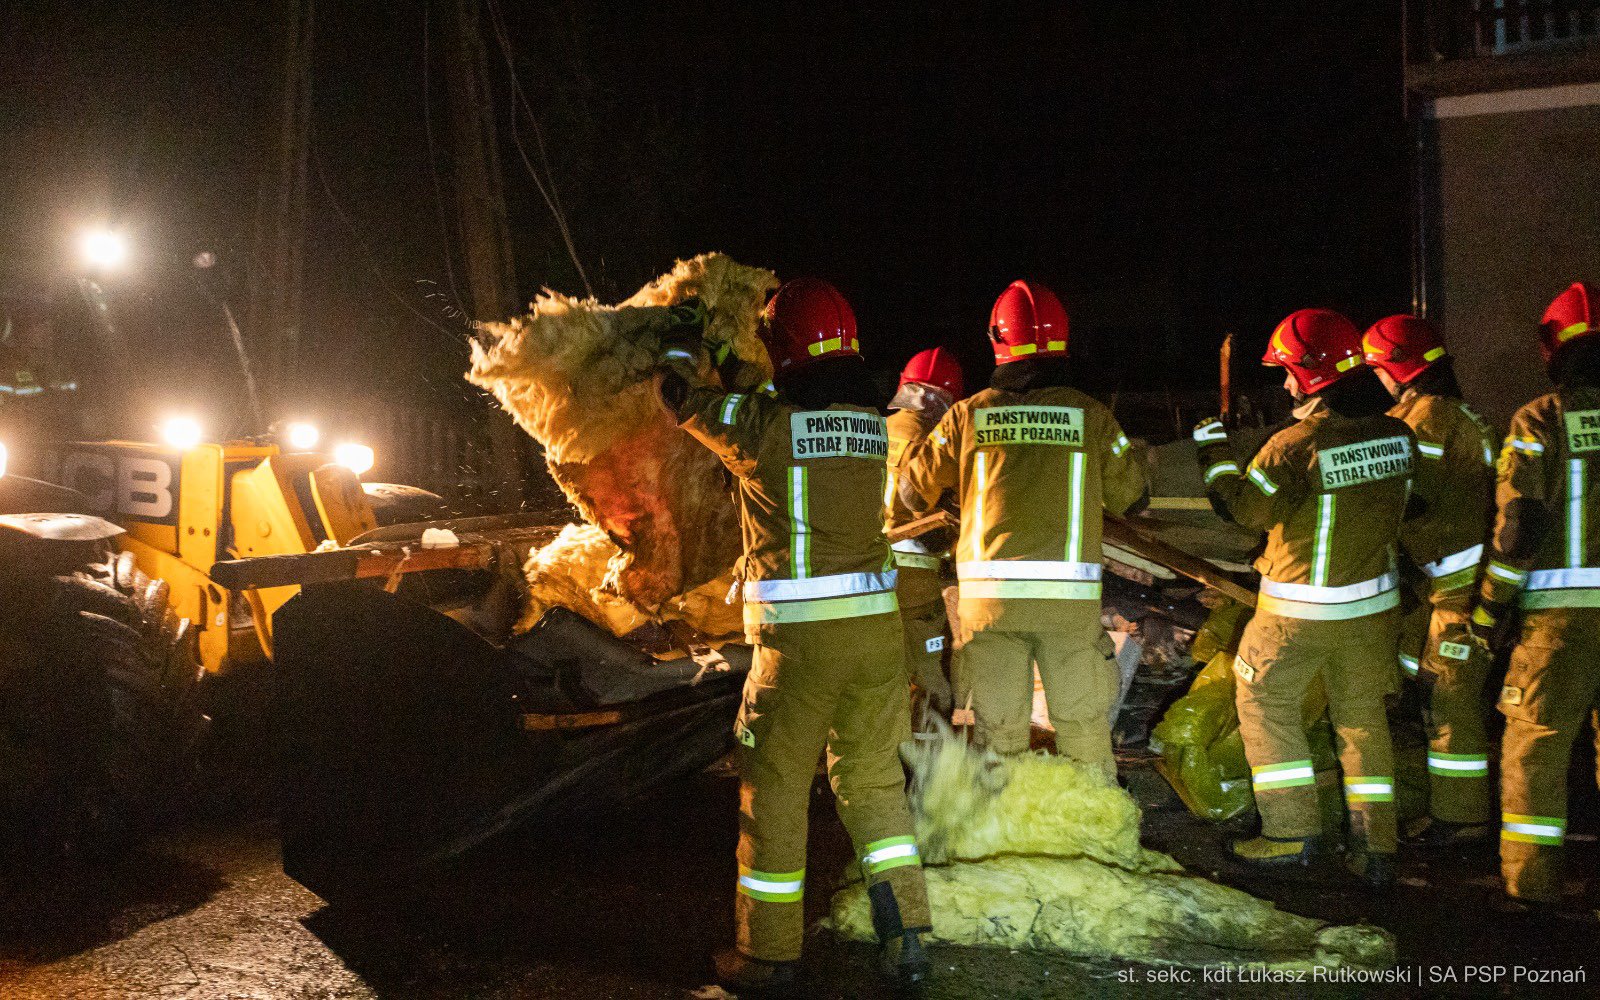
(742, 974)
(1279, 854)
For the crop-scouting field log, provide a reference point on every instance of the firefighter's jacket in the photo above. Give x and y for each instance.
(1455, 481)
(1330, 492)
(919, 560)
(810, 488)
(1546, 549)
(1032, 472)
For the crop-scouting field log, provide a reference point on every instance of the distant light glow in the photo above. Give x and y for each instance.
(182, 433)
(301, 436)
(358, 458)
(104, 249)
(2, 458)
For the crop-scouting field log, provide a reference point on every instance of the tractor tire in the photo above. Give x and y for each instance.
(99, 710)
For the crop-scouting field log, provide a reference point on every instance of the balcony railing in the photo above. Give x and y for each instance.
(1464, 29)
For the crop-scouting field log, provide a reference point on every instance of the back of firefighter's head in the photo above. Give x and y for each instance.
(1317, 347)
(1400, 348)
(1027, 322)
(936, 368)
(1569, 336)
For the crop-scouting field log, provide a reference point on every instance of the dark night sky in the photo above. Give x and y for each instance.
(1173, 170)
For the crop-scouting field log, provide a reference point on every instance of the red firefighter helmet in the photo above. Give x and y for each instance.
(1403, 346)
(936, 367)
(1027, 321)
(1569, 316)
(1318, 346)
(805, 321)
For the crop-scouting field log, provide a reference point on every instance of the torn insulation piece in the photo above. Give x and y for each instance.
(579, 377)
(1039, 853)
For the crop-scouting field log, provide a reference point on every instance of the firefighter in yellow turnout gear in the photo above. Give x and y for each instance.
(1329, 492)
(1545, 556)
(930, 383)
(820, 609)
(1032, 462)
(1455, 482)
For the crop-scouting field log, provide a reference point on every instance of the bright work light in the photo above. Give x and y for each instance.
(301, 436)
(358, 458)
(104, 249)
(181, 433)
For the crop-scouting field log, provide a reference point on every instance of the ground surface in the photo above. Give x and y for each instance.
(632, 908)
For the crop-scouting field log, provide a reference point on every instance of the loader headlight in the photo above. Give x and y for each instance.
(181, 433)
(358, 458)
(301, 436)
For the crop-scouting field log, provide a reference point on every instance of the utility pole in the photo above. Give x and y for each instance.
(278, 254)
(481, 213)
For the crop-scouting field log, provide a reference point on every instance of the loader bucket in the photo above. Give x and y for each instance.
(406, 738)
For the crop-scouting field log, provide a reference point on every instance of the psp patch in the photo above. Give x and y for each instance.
(1455, 650)
(1510, 695)
(742, 733)
(1365, 462)
(838, 434)
(935, 645)
(1583, 431)
(1244, 670)
(1061, 426)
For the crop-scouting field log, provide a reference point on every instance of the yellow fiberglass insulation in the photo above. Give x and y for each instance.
(578, 376)
(1038, 853)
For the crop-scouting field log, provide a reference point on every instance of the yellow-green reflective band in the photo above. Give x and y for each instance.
(1434, 355)
(1056, 345)
(1264, 484)
(1409, 664)
(891, 852)
(1290, 774)
(799, 521)
(772, 887)
(1508, 574)
(1119, 446)
(824, 346)
(1430, 450)
(1347, 364)
(730, 407)
(1371, 789)
(1307, 611)
(1055, 590)
(1571, 331)
(1547, 830)
(1454, 581)
(1226, 468)
(1576, 597)
(1018, 350)
(1481, 616)
(822, 609)
(1458, 765)
(916, 560)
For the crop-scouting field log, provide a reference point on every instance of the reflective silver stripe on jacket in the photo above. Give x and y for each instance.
(838, 585)
(1027, 569)
(1309, 594)
(1455, 562)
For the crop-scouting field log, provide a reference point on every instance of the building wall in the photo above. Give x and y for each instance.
(1515, 219)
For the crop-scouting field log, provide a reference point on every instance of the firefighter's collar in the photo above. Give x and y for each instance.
(1311, 405)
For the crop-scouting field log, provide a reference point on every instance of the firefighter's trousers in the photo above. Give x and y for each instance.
(1437, 651)
(926, 628)
(1078, 669)
(1279, 659)
(1552, 685)
(837, 685)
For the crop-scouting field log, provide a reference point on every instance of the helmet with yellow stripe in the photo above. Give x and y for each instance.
(1569, 316)
(1027, 321)
(1402, 346)
(805, 321)
(1318, 347)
